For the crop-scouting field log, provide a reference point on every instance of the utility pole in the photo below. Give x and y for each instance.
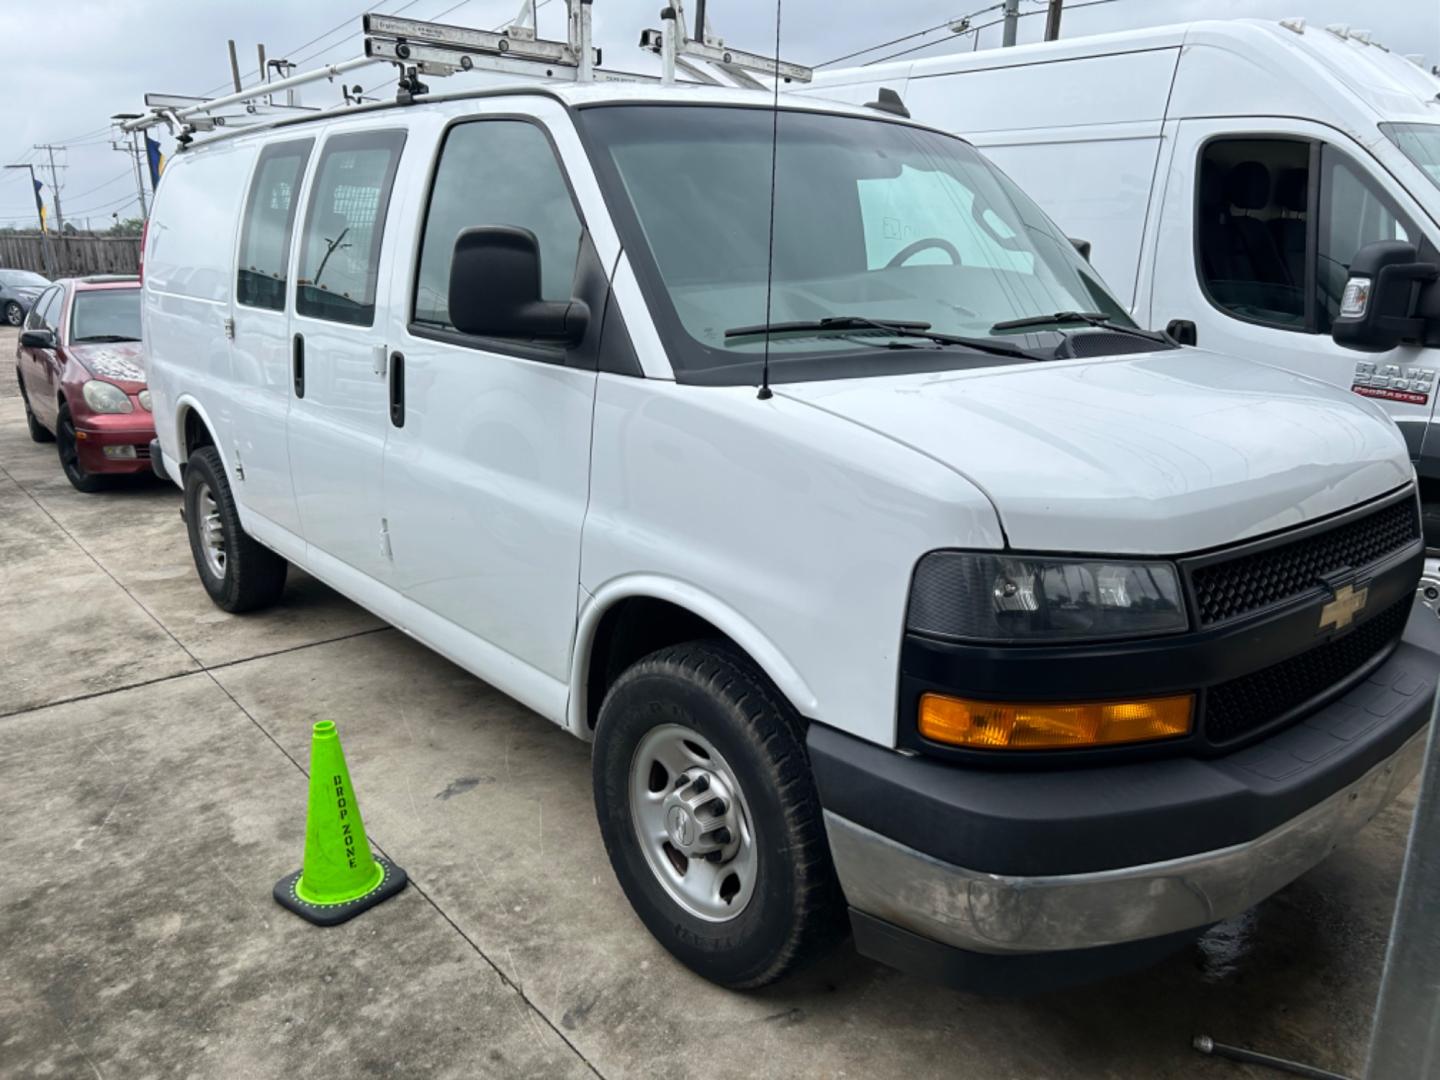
(55, 185)
(134, 151)
(1012, 21)
(1052, 20)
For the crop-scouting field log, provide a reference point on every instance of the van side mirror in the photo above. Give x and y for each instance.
(1379, 307)
(495, 289)
(1082, 246)
(37, 339)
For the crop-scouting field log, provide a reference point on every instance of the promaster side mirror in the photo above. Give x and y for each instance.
(37, 339)
(495, 289)
(1379, 307)
(1082, 246)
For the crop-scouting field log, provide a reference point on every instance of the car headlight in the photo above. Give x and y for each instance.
(106, 397)
(144, 397)
(1002, 597)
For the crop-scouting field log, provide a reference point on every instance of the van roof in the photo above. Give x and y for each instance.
(570, 95)
(1255, 67)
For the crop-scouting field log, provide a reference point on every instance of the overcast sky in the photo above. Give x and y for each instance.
(87, 59)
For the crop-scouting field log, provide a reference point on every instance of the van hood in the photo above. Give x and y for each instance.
(120, 362)
(1162, 453)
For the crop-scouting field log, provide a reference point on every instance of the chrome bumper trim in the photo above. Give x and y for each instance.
(992, 913)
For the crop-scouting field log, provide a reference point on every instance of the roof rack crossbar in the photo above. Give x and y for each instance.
(675, 47)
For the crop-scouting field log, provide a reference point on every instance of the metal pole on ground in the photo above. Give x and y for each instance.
(1012, 22)
(1405, 1040)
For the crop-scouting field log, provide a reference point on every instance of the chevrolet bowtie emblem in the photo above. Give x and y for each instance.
(1338, 613)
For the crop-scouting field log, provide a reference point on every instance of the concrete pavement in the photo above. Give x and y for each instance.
(152, 791)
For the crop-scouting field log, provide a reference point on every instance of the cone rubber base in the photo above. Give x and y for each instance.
(335, 914)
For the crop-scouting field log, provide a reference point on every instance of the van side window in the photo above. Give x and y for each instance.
(1251, 228)
(496, 172)
(344, 225)
(269, 222)
(1353, 213)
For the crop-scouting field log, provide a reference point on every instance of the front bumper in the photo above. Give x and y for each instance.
(95, 432)
(1009, 863)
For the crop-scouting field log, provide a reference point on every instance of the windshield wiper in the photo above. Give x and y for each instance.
(896, 327)
(96, 339)
(1090, 318)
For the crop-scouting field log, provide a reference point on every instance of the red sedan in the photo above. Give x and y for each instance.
(82, 377)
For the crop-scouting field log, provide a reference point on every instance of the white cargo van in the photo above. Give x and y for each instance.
(1225, 174)
(1034, 647)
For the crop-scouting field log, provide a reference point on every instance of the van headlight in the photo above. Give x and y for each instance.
(1004, 597)
(104, 397)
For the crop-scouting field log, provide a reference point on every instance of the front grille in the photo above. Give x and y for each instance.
(1226, 589)
(143, 452)
(1240, 706)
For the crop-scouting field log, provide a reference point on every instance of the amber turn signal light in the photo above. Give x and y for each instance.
(994, 725)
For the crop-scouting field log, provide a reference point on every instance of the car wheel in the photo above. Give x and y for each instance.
(38, 432)
(710, 816)
(68, 447)
(239, 573)
(13, 315)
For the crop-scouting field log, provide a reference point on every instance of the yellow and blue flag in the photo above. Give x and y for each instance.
(40, 206)
(157, 161)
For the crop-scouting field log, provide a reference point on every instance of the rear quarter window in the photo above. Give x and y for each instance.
(192, 228)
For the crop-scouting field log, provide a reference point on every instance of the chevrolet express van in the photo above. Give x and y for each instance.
(1225, 174)
(1027, 643)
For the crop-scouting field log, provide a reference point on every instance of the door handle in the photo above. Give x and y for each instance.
(298, 364)
(397, 389)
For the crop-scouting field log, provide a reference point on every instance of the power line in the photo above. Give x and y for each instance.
(918, 33)
(107, 183)
(976, 30)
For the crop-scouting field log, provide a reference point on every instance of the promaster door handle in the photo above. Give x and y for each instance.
(298, 364)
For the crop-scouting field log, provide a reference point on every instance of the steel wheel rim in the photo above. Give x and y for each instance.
(211, 530)
(676, 778)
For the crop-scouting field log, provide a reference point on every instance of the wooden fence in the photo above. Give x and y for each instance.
(70, 256)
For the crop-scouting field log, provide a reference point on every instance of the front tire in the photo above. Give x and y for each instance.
(68, 447)
(239, 573)
(710, 816)
(13, 315)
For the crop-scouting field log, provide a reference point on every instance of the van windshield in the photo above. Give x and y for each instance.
(1420, 143)
(874, 220)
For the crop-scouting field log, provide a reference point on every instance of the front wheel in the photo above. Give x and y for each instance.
(68, 447)
(239, 573)
(710, 816)
(13, 315)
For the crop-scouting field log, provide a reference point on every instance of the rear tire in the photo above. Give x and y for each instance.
(38, 432)
(239, 573)
(700, 718)
(68, 447)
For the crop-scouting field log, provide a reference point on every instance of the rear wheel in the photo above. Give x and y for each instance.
(67, 444)
(710, 816)
(38, 432)
(239, 573)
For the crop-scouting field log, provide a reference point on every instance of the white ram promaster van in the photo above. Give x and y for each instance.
(1036, 646)
(1226, 174)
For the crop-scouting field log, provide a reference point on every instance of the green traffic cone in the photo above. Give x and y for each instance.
(340, 878)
